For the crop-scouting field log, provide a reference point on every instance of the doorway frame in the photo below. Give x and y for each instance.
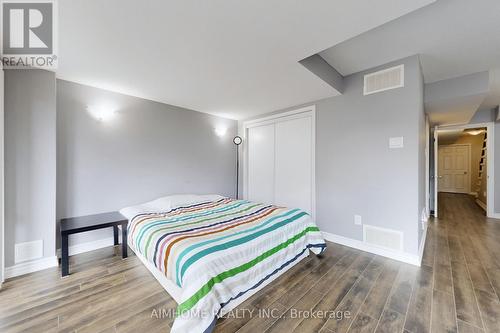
(2, 177)
(307, 111)
(490, 164)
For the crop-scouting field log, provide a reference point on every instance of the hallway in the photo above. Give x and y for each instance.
(462, 256)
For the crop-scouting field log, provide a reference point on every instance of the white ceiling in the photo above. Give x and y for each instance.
(453, 38)
(493, 98)
(455, 101)
(456, 111)
(449, 136)
(231, 58)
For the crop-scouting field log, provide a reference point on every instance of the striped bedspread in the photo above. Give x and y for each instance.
(218, 251)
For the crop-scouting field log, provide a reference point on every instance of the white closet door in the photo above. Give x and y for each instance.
(293, 178)
(261, 164)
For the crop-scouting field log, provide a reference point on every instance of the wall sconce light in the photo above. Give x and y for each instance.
(101, 113)
(220, 131)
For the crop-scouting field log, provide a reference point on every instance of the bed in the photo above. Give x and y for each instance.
(211, 253)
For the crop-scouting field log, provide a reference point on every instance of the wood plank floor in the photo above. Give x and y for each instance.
(456, 290)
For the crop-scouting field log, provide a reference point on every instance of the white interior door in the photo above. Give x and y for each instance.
(293, 164)
(260, 145)
(454, 169)
(279, 160)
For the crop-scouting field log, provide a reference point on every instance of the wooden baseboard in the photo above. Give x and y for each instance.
(384, 252)
(481, 204)
(30, 266)
(89, 246)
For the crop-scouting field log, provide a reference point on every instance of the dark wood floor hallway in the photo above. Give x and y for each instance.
(455, 290)
(462, 254)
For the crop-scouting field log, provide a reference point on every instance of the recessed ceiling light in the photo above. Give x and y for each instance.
(475, 131)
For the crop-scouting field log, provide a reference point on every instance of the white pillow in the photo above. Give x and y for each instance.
(190, 199)
(164, 204)
(154, 206)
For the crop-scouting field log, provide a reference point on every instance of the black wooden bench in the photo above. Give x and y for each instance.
(75, 225)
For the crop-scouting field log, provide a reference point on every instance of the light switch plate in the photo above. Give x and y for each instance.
(357, 219)
(396, 142)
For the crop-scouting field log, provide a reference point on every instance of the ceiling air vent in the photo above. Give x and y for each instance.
(387, 79)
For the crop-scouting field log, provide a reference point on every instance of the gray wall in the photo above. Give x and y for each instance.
(30, 159)
(1, 178)
(497, 168)
(422, 166)
(356, 172)
(323, 70)
(431, 171)
(147, 150)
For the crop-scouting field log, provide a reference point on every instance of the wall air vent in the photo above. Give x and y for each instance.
(28, 251)
(386, 79)
(386, 238)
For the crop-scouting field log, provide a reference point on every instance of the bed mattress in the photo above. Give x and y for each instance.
(219, 250)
